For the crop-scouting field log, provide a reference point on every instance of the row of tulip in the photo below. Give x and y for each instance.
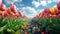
(10, 12)
(50, 12)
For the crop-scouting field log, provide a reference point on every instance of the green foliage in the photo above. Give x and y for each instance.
(50, 24)
(9, 25)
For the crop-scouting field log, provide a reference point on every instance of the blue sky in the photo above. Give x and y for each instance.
(31, 7)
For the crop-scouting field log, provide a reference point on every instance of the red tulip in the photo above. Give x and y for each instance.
(15, 15)
(1, 12)
(59, 15)
(9, 11)
(45, 15)
(58, 6)
(5, 14)
(58, 11)
(46, 10)
(13, 8)
(19, 12)
(2, 7)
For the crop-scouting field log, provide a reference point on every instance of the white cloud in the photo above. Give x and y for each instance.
(58, 0)
(40, 2)
(29, 10)
(55, 0)
(49, 1)
(35, 3)
(12, 1)
(43, 3)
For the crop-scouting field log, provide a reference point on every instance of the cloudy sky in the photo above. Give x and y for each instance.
(31, 7)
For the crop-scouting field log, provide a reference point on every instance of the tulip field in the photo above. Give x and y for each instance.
(13, 21)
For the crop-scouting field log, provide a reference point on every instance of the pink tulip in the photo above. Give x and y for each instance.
(13, 8)
(19, 12)
(46, 10)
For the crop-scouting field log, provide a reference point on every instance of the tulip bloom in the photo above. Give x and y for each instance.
(58, 6)
(2, 7)
(46, 10)
(5, 14)
(13, 8)
(9, 11)
(52, 10)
